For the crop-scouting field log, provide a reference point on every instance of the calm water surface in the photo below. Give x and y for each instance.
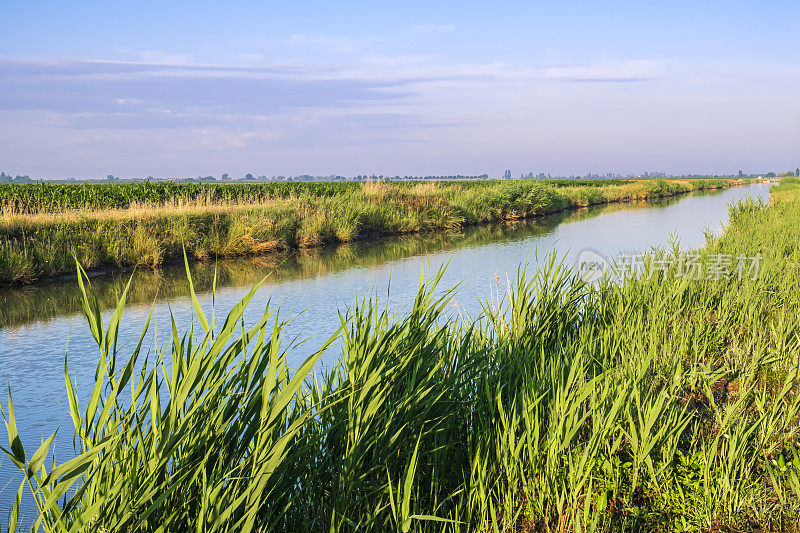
(41, 325)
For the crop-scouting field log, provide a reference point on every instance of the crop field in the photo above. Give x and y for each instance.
(52, 197)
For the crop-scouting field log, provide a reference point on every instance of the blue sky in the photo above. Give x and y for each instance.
(137, 88)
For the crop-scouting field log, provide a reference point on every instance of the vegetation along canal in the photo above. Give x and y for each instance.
(43, 323)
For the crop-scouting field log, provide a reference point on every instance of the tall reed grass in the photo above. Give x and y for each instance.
(658, 402)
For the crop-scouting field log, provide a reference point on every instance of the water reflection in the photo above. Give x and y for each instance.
(42, 302)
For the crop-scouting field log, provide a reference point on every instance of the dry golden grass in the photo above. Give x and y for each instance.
(376, 188)
(424, 189)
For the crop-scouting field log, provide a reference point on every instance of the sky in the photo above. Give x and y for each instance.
(140, 88)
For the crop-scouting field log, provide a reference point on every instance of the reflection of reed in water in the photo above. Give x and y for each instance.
(26, 304)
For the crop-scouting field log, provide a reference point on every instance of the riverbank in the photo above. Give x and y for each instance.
(40, 231)
(666, 402)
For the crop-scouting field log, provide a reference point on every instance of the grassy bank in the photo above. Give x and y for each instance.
(144, 225)
(660, 403)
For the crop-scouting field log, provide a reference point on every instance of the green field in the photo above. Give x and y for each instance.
(44, 226)
(661, 403)
(55, 197)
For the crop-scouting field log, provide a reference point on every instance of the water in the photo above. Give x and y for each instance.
(41, 324)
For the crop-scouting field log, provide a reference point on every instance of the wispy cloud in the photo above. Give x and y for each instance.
(97, 116)
(205, 98)
(617, 71)
(368, 68)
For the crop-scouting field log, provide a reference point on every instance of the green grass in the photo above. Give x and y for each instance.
(43, 227)
(660, 403)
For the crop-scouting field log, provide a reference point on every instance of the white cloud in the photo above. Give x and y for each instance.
(620, 71)
(394, 109)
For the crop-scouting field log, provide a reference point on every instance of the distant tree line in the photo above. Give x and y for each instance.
(250, 178)
(6, 178)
